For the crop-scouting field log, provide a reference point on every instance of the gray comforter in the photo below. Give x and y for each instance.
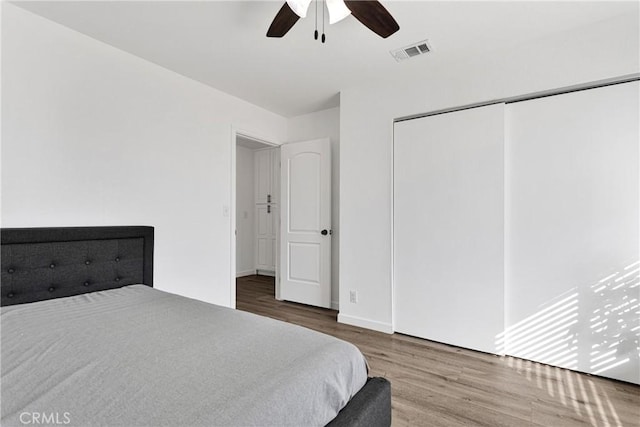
(137, 356)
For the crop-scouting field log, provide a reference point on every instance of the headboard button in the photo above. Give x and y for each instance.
(87, 262)
(86, 283)
(52, 265)
(10, 295)
(51, 289)
(117, 279)
(117, 259)
(11, 271)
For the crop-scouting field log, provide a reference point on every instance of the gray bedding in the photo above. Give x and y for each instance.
(137, 356)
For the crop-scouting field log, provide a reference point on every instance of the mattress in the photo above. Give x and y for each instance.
(137, 356)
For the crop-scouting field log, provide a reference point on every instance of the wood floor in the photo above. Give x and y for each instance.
(439, 385)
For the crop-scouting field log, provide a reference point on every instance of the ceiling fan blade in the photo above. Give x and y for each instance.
(282, 23)
(374, 16)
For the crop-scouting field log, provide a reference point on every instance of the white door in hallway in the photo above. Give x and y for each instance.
(266, 229)
(305, 259)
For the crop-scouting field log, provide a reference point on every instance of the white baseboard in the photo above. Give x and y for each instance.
(265, 272)
(387, 328)
(245, 273)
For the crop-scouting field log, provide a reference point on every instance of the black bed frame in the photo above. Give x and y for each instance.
(45, 263)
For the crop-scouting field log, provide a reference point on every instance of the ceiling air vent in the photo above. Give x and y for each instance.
(410, 51)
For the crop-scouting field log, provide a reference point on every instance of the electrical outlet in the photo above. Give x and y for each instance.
(353, 297)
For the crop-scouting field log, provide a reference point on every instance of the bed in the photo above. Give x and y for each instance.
(87, 340)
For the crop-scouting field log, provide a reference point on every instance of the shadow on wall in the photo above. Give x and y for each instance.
(615, 323)
(593, 329)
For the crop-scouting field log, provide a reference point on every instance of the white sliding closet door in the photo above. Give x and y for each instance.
(572, 230)
(448, 227)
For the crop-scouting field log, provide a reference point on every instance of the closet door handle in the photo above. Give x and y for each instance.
(269, 209)
(268, 198)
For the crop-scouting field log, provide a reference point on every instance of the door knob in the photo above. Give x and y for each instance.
(324, 232)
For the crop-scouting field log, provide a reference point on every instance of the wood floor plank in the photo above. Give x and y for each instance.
(435, 384)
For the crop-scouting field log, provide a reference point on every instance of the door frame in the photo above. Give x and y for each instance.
(235, 132)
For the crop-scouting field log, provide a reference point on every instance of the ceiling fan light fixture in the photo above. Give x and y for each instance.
(299, 7)
(337, 10)
(370, 13)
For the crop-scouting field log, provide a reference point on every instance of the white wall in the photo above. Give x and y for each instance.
(325, 123)
(245, 212)
(604, 50)
(92, 135)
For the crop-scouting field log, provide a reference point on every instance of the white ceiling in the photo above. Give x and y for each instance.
(223, 43)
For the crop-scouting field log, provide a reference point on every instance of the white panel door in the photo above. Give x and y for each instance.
(274, 216)
(266, 226)
(448, 227)
(572, 231)
(306, 222)
(274, 193)
(263, 175)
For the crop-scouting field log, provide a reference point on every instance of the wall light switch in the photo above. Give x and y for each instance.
(353, 297)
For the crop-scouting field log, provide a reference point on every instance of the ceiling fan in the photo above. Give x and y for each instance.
(369, 12)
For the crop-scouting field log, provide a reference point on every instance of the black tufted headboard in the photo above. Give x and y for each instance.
(46, 263)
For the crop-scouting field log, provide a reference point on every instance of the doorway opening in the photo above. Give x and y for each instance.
(256, 212)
